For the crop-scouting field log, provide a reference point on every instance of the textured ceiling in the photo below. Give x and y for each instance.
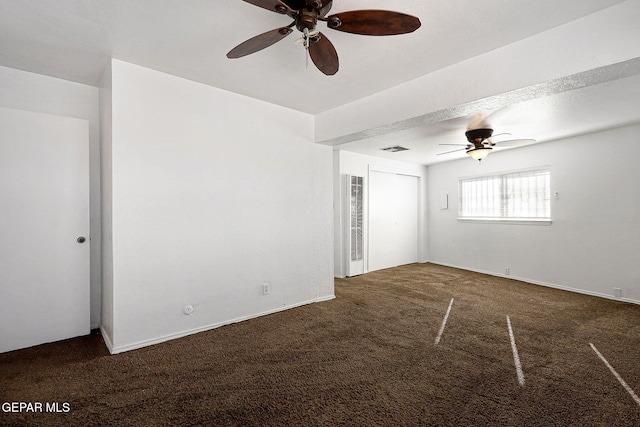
(74, 39)
(596, 107)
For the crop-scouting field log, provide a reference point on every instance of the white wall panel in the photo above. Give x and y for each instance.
(214, 194)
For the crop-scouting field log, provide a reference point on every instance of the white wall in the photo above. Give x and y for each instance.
(213, 194)
(592, 244)
(106, 191)
(357, 164)
(33, 92)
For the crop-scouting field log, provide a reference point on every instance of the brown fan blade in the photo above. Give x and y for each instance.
(259, 42)
(373, 22)
(274, 6)
(324, 55)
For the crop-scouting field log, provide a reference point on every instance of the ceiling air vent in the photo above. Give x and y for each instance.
(394, 149)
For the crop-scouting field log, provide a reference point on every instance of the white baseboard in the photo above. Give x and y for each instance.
(107, 340)
(537, 282)
(164, 338)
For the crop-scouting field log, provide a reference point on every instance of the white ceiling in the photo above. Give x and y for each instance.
(556, 116)
(74, 39)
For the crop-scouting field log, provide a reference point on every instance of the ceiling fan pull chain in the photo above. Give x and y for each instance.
(305, 42)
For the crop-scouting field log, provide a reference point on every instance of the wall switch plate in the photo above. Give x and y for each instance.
(265, 289)
(507, 271)
(444, 202)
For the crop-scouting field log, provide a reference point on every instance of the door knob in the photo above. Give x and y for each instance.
(81, 239)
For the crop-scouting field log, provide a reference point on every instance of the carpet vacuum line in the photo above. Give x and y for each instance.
(615, 374)
(444, 322)
(516, 358)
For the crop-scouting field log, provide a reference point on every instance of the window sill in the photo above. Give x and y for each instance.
(513, 221)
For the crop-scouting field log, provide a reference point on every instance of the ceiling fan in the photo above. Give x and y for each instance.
(479, 145)
(307, 13)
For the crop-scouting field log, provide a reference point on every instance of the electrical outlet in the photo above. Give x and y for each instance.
(617, 292)
(265, 289)
(507, 271)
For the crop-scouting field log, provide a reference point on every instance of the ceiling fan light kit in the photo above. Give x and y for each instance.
(307, 13)
(479, 153)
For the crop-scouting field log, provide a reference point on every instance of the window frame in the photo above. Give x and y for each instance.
(504, 220)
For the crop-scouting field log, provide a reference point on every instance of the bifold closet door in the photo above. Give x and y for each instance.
(393, 220)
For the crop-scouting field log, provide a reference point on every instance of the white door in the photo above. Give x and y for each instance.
(44, 210)
(393, 220)
(406, 193)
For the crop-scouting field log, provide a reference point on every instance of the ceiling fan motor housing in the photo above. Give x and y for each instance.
(322, 6)
(307, 18)
(477, 137)
(478, 134)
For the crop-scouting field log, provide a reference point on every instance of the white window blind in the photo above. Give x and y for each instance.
(356, 218)
(521, 195)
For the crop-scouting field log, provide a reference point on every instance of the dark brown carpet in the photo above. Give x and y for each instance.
(367, 358)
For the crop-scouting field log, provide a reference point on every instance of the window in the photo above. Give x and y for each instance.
(513, 196)
(356, 218)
